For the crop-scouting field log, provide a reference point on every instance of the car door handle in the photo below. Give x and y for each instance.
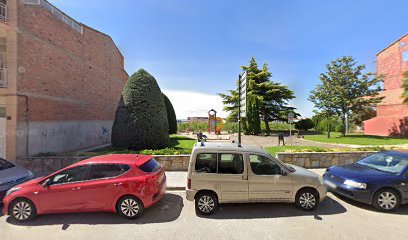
(77, 188)
(118, 184)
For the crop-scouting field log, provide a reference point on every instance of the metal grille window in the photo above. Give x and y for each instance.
(3, 10)
(3, 72)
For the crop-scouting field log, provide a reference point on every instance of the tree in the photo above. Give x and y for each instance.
(272, 96)
(252, 120)
(304, 124)
(141, 117)
(171, 115)
(345, 89)
(405, 87)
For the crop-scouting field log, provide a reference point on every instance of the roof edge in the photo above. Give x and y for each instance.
(399, 39)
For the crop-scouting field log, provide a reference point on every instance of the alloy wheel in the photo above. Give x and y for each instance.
(307, 200)
(206, 204)
(129, 207)
(387, 200)
(22, 211)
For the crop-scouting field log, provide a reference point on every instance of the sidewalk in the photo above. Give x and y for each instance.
(178, 180)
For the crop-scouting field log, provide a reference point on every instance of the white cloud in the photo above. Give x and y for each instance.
(194, 104)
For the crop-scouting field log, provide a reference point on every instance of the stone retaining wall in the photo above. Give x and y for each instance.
(46, 165)
(321, 159)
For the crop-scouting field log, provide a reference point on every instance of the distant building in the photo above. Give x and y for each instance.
(60, 81)
(392, 114)
(197, 119)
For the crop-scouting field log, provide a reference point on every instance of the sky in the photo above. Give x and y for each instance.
(194, 48)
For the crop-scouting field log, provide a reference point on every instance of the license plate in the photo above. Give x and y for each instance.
(330, 184)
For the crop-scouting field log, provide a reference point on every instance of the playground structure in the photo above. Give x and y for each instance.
(215, 123)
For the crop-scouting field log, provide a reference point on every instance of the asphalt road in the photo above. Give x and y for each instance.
(174, 218)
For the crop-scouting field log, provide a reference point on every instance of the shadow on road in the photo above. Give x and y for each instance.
(275, 210)
(401, 210)
(167, 209)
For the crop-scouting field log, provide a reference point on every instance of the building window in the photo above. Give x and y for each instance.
(405, 56)
(3, 10)
(3, 72)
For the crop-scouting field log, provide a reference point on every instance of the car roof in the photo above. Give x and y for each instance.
(399, 153)
(217, 146)
(132, 159)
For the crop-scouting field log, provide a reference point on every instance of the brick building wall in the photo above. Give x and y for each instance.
(68, 82)
(392, 114)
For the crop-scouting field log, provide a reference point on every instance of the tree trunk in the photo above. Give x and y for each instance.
(266, 121)
(328, 126)
(343, 129)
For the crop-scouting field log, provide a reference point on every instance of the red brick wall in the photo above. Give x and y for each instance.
(391, 112)
(67, 75)
(391, 65)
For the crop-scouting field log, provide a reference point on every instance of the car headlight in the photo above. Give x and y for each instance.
(352, 183)
(11, 190)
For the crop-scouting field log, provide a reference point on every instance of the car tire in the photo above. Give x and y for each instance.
(386, 200)
(307, 199)
(206, 203)
(130, 207)
(22, 210)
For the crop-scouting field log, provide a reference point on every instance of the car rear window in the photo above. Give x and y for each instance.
(150, 166)
(99, 171)
(5, 164)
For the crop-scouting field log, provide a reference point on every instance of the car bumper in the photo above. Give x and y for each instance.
(322, 189)
(190, 194)
(6, 204)
(154, 197)
(359, 195)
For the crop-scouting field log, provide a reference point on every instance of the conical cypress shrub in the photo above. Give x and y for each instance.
(171, 115)
(141, 119)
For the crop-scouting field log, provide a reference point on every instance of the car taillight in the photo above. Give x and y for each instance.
(189, 183)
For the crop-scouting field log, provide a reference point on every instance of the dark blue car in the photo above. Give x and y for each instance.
(380, 179)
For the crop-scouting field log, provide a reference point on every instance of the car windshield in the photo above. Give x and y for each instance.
(385, 162)
(5, 164)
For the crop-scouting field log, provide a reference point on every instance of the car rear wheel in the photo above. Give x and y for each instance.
(130, 207)
(206, 203)
(22, 210)
(307, 199)
(386, 200)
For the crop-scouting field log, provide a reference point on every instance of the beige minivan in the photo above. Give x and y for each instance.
(225, 173)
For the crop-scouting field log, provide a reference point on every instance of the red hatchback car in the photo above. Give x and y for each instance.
(122, 183)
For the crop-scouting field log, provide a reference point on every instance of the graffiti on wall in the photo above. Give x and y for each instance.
(105, 135)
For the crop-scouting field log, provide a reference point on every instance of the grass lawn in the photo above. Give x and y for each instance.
(357, 139)
(276, 149)
(294, 149)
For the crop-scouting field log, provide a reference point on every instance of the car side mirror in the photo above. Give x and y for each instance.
(47, 183)
(283, 172)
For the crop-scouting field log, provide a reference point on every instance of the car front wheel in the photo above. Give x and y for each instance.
(130, 207)
(307, 199)
(206, 203)
(386, 200)
(22, 210)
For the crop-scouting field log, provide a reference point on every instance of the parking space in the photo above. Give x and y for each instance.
(175, 217)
